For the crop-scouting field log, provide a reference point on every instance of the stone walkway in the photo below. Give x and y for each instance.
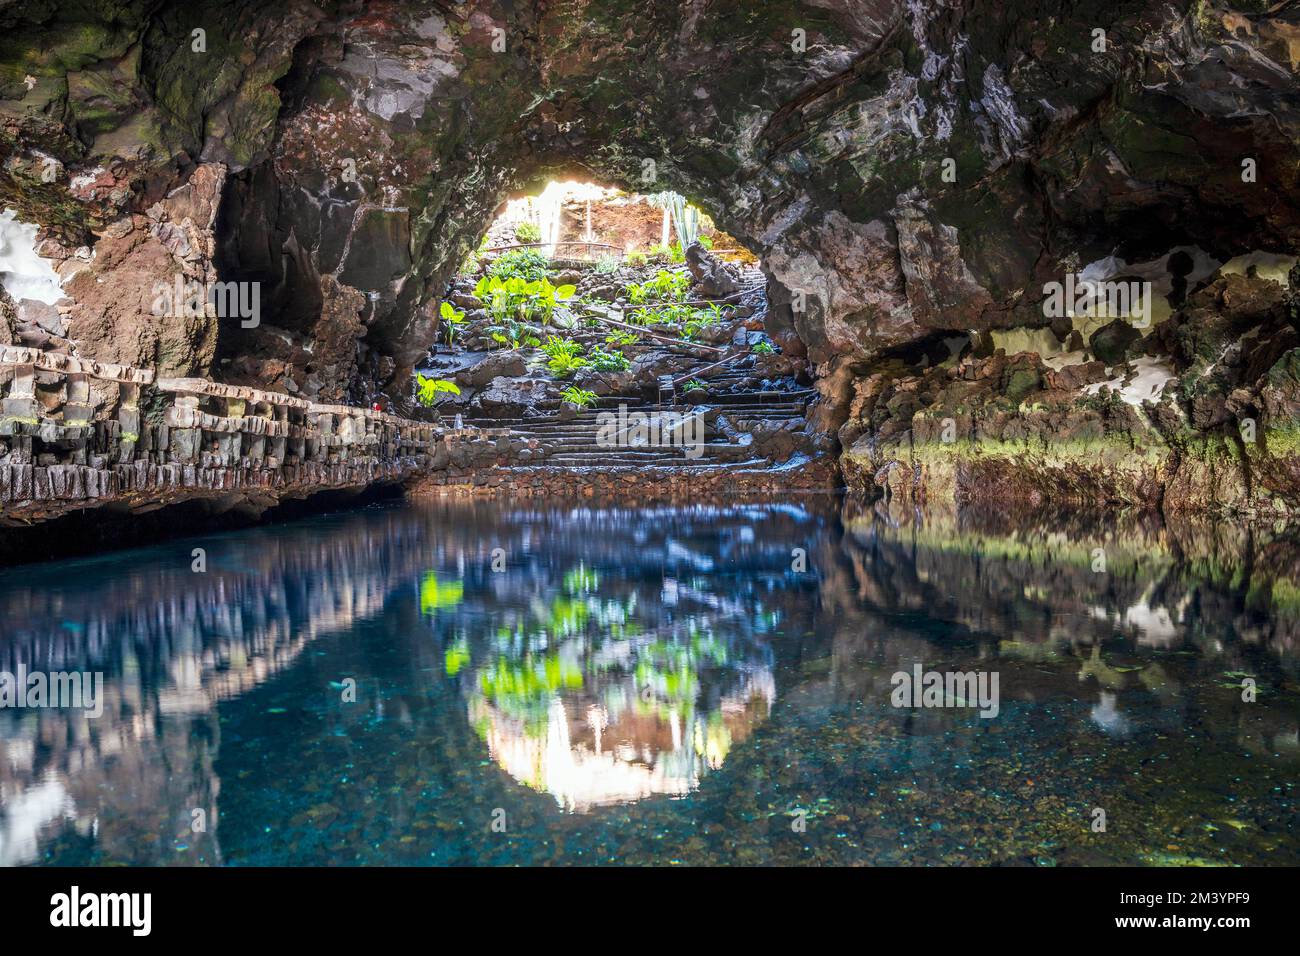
(76, 434)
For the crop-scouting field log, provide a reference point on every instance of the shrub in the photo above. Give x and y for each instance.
(514, 334)
(636, 293)
(527, 264)
(665, 286)
(528, 232)
(763, 348)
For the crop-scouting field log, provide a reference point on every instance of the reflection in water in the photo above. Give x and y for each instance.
(652, 684)
(607, 691)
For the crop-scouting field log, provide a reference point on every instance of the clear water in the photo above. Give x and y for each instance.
(704, 685)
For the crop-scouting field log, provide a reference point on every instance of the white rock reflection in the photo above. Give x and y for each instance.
(625, 748)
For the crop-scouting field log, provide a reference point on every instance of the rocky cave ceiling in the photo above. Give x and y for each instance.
(911, 167)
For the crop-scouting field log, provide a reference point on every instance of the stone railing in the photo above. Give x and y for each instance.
(75, 433)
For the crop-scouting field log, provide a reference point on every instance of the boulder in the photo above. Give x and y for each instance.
(714, 279)
(505, 364)
(514, 397)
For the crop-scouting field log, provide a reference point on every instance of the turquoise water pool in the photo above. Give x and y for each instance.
(497, 683)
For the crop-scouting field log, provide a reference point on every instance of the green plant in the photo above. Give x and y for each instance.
(579, 397)
(606, 264)
(517, 298)
(514, 334)
(564, 365)
(527, 264)
(428, 389)
(695, 384)
(669, 286)
(705, 241)
(661, 315)
(711, 313)
(528, 232)
(700, 319)
(603, 361)
(556, 346)
(686, 219)
(621, 337)
(453, 319)
(636, 259)
(763, 348)
(664, 287)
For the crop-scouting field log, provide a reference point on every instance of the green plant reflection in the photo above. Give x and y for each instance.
(589, 702)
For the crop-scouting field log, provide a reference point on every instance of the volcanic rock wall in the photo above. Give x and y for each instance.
(912, 175)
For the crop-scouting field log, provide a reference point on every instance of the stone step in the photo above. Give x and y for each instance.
(588, 444)
(543, 425)
(596, 423)
(700, 465)
(597, 461)
(591, 427)
(595, 448)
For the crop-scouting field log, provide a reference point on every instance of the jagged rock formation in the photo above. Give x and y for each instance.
(912, 175)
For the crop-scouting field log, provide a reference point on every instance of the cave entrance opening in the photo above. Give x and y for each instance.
(597, 327)
(586, 221)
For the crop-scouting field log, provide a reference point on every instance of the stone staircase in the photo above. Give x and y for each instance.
(574, 440)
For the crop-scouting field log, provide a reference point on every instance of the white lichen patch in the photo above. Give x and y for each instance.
(1015, 341)
(1143, 381)
(1152, 310)
(1267, 266)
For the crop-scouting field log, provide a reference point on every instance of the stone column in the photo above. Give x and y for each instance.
(20, 404)
(185, 437)
(78, 408)
(259, 419)
(325, 425)
(128, 420)
(278, 444)
(230, 444)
